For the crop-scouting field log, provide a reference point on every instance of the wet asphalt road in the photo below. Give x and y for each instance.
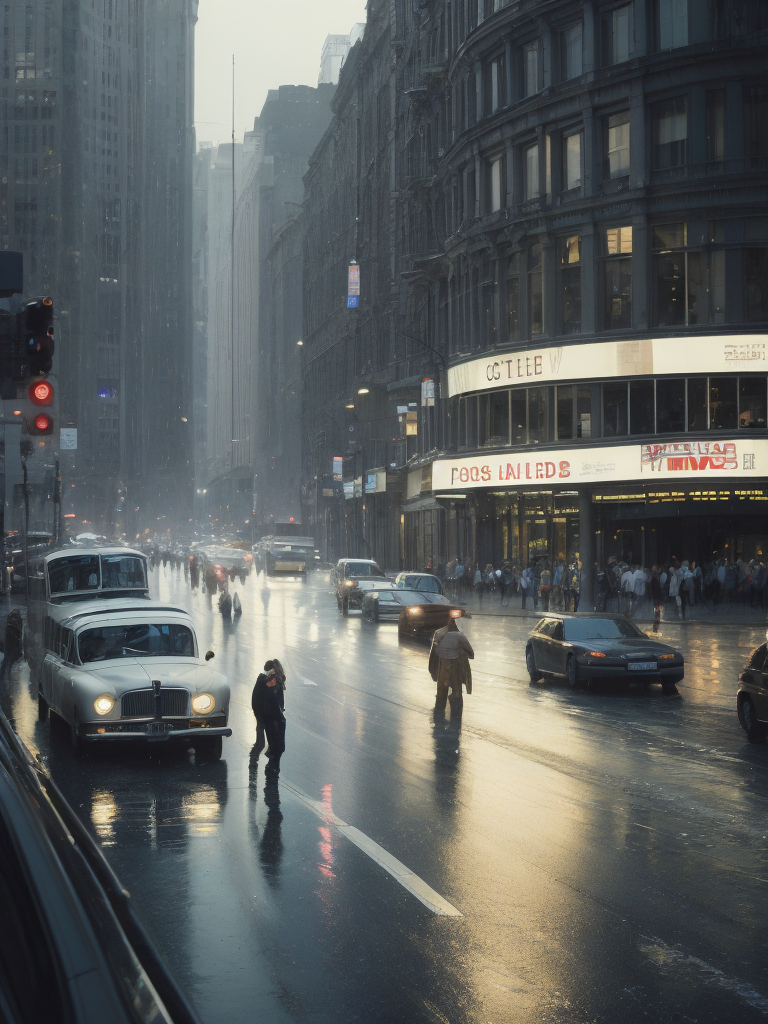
(607, 849)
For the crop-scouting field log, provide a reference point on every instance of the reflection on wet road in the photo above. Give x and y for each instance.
(603, 850)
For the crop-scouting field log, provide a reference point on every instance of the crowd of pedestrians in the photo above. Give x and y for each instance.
(674, 589)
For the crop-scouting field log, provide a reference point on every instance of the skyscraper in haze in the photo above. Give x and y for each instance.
(95, 164)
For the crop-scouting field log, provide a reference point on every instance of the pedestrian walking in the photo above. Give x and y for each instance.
(657, 596)
(449, 666)
(268, 704)
(545, 587)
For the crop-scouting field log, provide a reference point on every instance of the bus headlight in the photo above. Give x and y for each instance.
(203, 704)
(103, 704)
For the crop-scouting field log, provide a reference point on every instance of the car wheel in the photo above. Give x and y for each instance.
(345, 608)
(42, 707)
(572, 672)
(209, 748)
(756, 731)
(530, 664)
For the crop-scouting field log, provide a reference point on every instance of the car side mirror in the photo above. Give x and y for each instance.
(209, 655)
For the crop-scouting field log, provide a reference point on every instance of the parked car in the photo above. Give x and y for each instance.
(131, 670)
(418, 581)
(752, 697)
(348, 573)
(588, 646)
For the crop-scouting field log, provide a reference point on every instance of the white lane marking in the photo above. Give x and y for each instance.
(410, 881)
(668, 958)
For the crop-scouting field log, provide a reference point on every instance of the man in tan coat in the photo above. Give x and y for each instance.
(449, 665)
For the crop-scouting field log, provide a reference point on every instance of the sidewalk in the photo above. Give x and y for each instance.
(724, 615)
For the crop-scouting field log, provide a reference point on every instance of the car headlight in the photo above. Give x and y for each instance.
(416, 610)
(349, 583)
(203, 704)
(103, 704)
(456, 613)
(596, 654)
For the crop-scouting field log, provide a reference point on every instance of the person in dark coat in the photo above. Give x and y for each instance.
(268, 704)
(449, 666)
(13, 649)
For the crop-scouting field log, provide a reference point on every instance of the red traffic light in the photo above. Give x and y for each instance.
(41, 423)
(40, 392)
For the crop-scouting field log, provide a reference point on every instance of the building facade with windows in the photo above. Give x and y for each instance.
(597, 279)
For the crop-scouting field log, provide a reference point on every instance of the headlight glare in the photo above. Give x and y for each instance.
(455, 613)
(349, 583)
(415, 610)
(103, 704)
(203, 704)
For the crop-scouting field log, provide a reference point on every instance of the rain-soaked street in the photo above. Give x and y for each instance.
(589, 856)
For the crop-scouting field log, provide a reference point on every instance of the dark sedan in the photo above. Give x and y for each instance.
(593, 646)
(752, 698)
(418, 613)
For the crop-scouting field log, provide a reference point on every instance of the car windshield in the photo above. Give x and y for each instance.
(412, 581)
(362, 569)
(600, 629)
(139, 640)
(411, 597)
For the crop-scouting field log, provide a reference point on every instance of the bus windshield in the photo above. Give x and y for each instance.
(78, 573)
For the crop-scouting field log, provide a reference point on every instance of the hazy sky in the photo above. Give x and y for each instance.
(275, 42)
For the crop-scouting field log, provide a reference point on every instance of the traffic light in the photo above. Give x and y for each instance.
(40, 392)
(36, 330)
(39, 423)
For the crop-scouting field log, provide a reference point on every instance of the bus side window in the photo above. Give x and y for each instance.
(57, 640)
(66, 645)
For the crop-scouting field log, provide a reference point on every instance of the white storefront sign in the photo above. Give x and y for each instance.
(723, 353)
(706, 462)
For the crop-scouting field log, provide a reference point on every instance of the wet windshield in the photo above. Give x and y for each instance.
(362, 569)
(135, 641)
(416, 582)
(600, 629)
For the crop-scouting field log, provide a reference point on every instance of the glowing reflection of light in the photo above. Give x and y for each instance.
(326, 844)
(103, 815)
(202, 811)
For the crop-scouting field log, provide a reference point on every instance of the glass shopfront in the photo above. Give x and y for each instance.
(685, 524)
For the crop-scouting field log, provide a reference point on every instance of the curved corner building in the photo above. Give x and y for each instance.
(602, 291)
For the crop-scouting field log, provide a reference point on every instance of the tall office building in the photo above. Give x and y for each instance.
(96, 192)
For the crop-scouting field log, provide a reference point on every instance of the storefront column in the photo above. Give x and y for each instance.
(453, 539)
(586, 550)
(521, 545)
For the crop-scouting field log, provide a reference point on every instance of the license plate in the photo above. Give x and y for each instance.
(158, 728)
(643, 666)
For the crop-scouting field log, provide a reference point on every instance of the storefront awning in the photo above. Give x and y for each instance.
(422, 505)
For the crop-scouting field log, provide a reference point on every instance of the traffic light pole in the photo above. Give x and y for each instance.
(26, 528)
